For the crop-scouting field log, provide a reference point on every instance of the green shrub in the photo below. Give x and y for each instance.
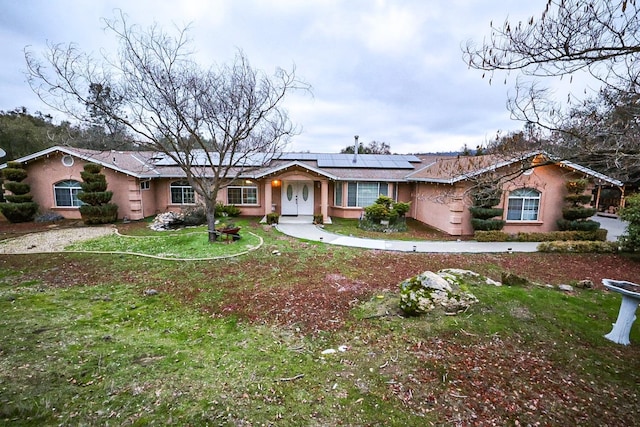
(384, 209)
(19, 206)
(220, 211)
(195, 215)
(487, 224)
(485, 213)
(92, 169)
(97, 209)
(567, 225)
(491, 236)
(581, 199)
(572, 213)
(273, 218)
(630, 240)
(19, 198)
(232, 210)
(578, 247)
(486, 195)
(402, 208)
(378, 212)
(102, 214)
(19, 212)
(14, 174)
(17, 188)
(95, 198)
(499, 236)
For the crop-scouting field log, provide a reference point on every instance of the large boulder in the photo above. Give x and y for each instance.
(429, 291)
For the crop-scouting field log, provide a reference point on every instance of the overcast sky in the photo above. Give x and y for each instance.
(389, 71)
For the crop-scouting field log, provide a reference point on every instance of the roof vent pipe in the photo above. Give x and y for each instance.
(355, 149)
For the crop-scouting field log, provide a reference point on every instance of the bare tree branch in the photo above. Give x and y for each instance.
(213, 123)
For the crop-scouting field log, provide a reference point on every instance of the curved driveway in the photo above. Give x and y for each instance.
(317, 234)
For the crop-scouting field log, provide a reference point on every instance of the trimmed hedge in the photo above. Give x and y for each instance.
(578, 247)
(573, 235)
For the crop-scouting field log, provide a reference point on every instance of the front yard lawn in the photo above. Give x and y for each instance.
(241, 341)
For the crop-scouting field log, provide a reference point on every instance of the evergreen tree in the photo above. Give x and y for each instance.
(20, 206)
(96, 208)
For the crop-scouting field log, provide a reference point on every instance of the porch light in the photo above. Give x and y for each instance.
(275, 183)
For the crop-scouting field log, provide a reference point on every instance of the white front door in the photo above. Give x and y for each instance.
(297, 198)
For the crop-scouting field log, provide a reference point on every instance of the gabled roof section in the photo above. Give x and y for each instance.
(456, 169)
(261, 173)
(449, 170)
(128, 162)
(592, 173)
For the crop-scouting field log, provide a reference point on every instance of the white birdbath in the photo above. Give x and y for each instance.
(627, 314)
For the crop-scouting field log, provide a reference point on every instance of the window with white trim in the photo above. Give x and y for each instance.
(182, 193)
(523, 205)
(145, 185)
(363, 194)
(66, 193)
(245, 193)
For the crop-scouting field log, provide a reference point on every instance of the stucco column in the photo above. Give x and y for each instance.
(267, 197)
(324, 199)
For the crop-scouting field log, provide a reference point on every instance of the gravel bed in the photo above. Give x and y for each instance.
(52, 240)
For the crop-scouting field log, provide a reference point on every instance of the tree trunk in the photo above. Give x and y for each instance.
(211, 224)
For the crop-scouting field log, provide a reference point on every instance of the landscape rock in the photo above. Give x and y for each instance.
(565, 288)
(467, 277)
(585, 284)
(510, 279)
(428, 291)
(167, 221)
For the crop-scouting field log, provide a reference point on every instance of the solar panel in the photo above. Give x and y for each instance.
(325, 160)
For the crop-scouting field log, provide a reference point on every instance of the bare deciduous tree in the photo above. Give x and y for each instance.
(213, 123)
(599, 37)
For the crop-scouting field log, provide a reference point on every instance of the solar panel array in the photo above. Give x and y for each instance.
(199, 158)
(371, 161)
(325, 160)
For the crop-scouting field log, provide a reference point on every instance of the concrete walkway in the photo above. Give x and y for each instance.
(303, 229)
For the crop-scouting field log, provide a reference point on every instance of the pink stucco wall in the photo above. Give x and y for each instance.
(442, 206)
(446, 207)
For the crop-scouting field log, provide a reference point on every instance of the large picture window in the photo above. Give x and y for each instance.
(243, 194)
(363, 194)
(66, 193)
(182, 193)
(524, 205)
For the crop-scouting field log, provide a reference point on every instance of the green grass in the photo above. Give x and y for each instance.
(191, 243)
(416, 230)
(109, 355)
(81, 344)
